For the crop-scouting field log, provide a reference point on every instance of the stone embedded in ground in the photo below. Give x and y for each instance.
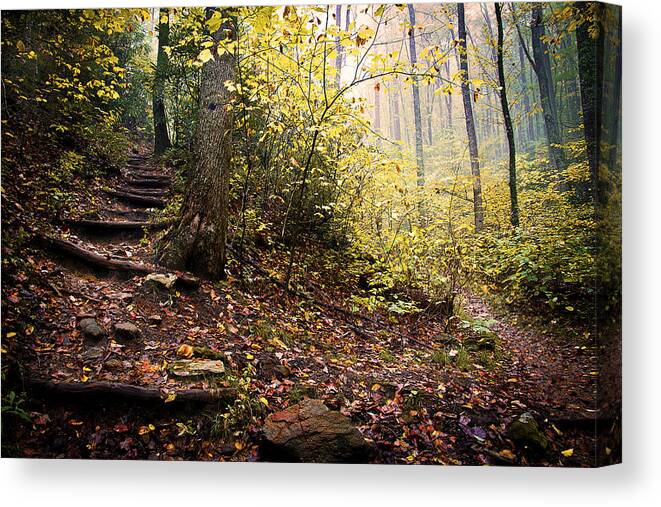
(166, 280)
(91, 329)
(126, 330)
(155, 319)
(197, 367)
(311, 433)
(114, 364)
(525, 433)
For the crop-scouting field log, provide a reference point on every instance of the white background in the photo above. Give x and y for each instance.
(636, 482)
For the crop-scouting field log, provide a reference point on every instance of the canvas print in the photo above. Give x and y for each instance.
(365, 233)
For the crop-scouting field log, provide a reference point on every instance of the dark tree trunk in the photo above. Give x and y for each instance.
(614, 124)
(198, 241)
(591, 73)
(514, 199)
(470, 122)
(527, 111)
(161, 138)
(542, 69)
(419, 155)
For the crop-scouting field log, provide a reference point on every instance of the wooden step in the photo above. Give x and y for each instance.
(138, 200)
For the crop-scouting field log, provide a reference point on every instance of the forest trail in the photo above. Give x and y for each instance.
(414, 401)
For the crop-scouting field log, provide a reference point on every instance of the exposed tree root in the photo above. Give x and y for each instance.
(100, 261)
(129, 392)
(147, 182)
(110, 225)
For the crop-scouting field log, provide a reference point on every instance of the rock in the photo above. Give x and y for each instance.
(126, 330)
(114, 364)
(311, 433)
(525, 433)
(483, 340)
(155, 319)
(197, 367)
(166, 280)
(90, 329)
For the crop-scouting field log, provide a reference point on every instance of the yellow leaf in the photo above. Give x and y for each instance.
(507, 454)
(250, 356)
(20, 46)
(567, 453)
(11, 335)
(376, 387)
(171, 397)
(238, 445)
(263, 401)
(205, 55)
(84, 378)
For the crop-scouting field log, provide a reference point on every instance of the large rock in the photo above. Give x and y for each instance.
(525, 433)
(126, 330)
(91, 330)
(309, 432)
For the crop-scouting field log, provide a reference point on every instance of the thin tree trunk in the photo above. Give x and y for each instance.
(591, 73)
(377, 108)
(527, 110)
(394, 115)
(338, 47)
(470, 122)
(514, 199)
(419, 155)
(198, 242)
(542, 69)
(161, 138)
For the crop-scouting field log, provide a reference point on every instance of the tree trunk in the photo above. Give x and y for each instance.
(542, 69)
(161, 138)
(527, 110)
(338, 47)
(377, 108)
(394, 115)
(470, 122)
(514, 199)
(419, 155)
(198, 241)
(591, 72)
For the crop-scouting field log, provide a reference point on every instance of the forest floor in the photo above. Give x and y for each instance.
(400, 381)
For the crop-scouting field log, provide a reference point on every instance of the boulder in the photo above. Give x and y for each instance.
(311, 433)
(126, 330)
(525, 433)
(90, 329)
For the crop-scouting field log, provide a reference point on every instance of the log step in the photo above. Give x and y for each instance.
(149, 175)
(140, 200)
(104, 262)
(131, 392)
(117, 225)
(147, 182)
(149, 192)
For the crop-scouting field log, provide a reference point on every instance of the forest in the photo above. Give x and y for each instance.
(385, 233)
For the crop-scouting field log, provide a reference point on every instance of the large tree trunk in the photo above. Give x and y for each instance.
(542, 69)
(470, 122)
(591, 73)
(161, 138)
(514, 199)
(198, 241)
(417, 117)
